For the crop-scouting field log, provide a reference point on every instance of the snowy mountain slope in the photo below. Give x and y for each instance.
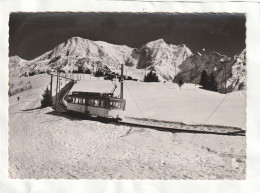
(119, 53)
(237, 81)
(16, 64)
(163, 58)
(216, 63)
(77, 53)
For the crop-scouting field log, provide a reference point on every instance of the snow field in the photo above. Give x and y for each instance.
(57, 147)
(45, 144)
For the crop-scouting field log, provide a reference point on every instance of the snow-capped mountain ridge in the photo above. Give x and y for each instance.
(217, 64)
(168, 61)
(78, 52)
(163, 58)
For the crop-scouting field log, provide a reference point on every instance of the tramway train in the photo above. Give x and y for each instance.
(104, 105)
(96, 104)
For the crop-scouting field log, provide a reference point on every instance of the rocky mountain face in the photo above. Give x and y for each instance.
(162, 58)
(225, 69)
(15, 65)
(237, 81)
(85, 54)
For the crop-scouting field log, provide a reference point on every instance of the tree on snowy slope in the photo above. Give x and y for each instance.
(180, 83)
(47, 98)
(151, 77)
(204, 80)
(213, 86)
(99, 73)
(208, 82)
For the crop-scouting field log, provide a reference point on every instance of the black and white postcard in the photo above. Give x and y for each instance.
(127, 96)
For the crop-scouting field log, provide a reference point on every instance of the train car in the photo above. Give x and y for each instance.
(97, 104)
(104, 105)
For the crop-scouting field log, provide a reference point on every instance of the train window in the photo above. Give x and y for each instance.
(80, 101)
(83, 101)
(90, 102)
(117, 104)
(96, 102)
(114, 104)
(123, 105)
(111, 104)
(102, 103)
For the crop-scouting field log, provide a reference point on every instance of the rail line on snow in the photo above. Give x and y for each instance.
(59, 104)
(183, 128)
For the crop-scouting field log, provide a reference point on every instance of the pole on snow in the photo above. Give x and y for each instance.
(51, 85)
(122, 82)
(225, 79)
(56, 89)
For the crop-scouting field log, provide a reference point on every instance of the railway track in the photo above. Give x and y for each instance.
(174, 127)
(59, 101)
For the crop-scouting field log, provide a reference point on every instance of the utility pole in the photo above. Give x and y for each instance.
(225, 75)
(221, 85)
(145, 70)
(59, 82)
(56, 89)
(225, 78)
(51, 85)
(122, 82)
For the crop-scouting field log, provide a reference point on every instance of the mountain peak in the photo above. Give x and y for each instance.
(182, 45)
(161, 41)
(16, 57)
(76, 38)
(156, 43)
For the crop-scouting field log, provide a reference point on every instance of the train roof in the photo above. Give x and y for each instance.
(94, 94)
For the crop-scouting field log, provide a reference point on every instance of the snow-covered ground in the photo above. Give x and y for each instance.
(45, 144)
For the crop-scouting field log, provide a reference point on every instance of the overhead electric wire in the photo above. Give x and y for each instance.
(134, 100)
(216, 109)
(226, 95)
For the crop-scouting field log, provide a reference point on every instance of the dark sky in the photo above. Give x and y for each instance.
(32, 34)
